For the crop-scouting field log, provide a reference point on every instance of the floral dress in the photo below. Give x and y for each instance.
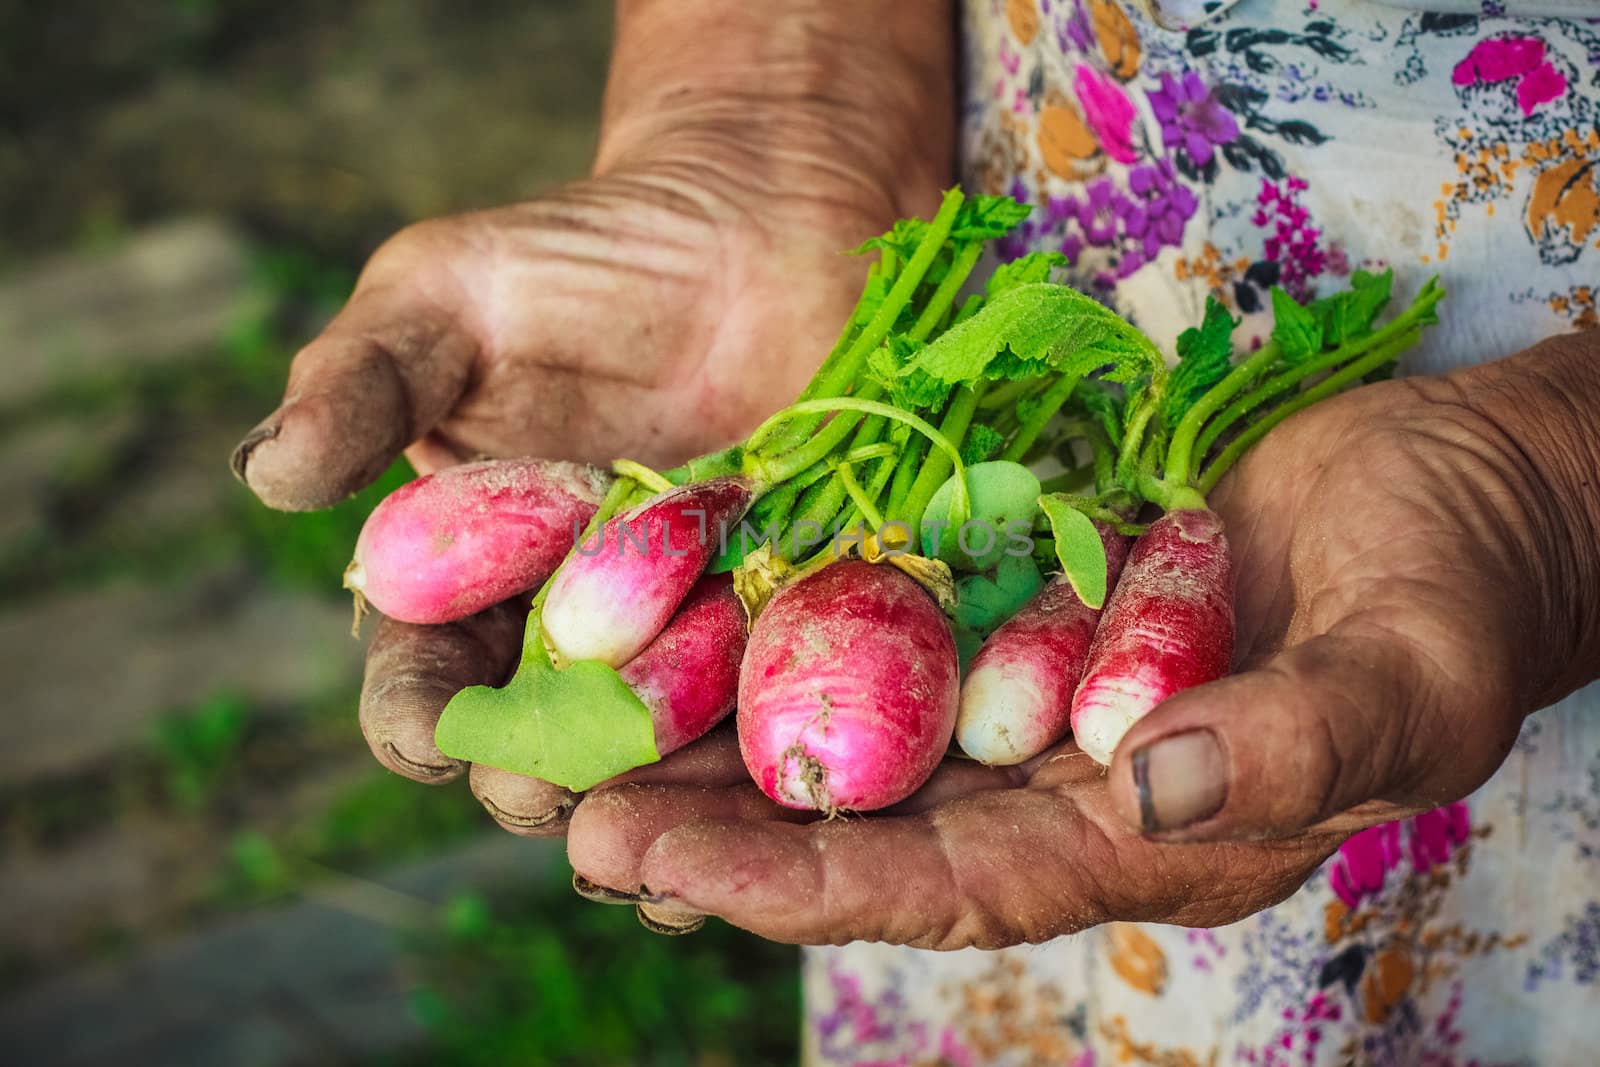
(1176, 149)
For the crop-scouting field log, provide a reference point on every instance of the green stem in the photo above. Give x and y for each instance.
(1007, 394)
(939, 303)
(1415, 315)
(905, 473)
(1035, 423)
(858, 496)
(837, 375)
(937, 468)
(816, 449)
(1132, 437)
(1374, 359)
(1179, 456)
(1285, 381)
(772, 472)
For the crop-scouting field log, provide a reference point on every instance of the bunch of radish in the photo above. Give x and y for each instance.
(878, 569)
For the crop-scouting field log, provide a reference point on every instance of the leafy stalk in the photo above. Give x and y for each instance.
(1376, 357)
(1034, 424)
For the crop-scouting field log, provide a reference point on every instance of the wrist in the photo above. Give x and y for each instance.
(840, 100)
(1546, 401)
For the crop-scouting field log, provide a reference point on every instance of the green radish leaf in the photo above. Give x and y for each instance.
(1205, 356)
(1003, 501)
(1102, 405)
(902, 239)
(1039, 328)
(1079, 550)
(983, 218)
(574, 727)
(984, 601)
(1351, 313)
(1025, 270)
(981, 443)
(1297, 330)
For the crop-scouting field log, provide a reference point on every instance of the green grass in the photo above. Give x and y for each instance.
(546, 979)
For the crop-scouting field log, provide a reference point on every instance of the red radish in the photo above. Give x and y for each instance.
(847, 694)
(456, 541)
(689, 675)
(1167, 626)
(1016, 698)
(618, 589)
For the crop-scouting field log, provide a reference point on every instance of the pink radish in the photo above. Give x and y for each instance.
(847, 694)
(1167, 626)
(456, 541)
(689, 675)
(620, 586)
(1016, 698)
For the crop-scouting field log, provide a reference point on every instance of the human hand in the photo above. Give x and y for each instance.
(1418, 568)
(652, 311)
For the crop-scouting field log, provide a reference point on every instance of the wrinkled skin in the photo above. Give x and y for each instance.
(1407, 594)
(651, 312)
(1407, 575)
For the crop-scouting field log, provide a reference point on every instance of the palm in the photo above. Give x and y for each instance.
(607, 319)
(1348, 535)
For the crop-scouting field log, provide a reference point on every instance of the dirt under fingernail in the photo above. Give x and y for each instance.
(669, 922)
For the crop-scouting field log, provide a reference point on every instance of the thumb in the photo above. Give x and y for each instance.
(1317, 730)
(384, 372)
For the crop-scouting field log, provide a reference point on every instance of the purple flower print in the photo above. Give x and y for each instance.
(1191, 117)
(1108, 111)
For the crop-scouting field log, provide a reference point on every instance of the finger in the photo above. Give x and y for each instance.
(608, 840)
(1326, 726)
(711, 761)
(613, 828)
(413, 671)
(522, 805)
(994, 868)
(383, 373)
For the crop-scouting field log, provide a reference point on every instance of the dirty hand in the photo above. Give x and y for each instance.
(1419, 568)
(650, 311)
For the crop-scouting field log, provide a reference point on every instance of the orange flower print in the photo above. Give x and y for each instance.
(1386, 982)
(1564, 209)
(1066, 144)
(1138, 959)
(1024, 18)
(1119, 41)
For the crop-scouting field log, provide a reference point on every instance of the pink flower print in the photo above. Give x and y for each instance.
(1429, 840)
(1009, 59)
(1542, 84)
(1521, 59)
(1498, 59)
(1108, 111)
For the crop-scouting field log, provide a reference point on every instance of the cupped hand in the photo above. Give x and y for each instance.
(1405, 595)
(654, 312)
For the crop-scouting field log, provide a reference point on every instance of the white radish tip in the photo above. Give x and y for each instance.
(996, 708)
(355, 576)
(1101, 728)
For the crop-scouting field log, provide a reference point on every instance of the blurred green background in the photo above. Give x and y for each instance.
(200, 864)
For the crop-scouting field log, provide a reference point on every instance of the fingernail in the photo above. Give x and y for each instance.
(241, 452)
(668, 921)
(650, 897)
(600, 894)
(1181, 780)
(561, 810)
